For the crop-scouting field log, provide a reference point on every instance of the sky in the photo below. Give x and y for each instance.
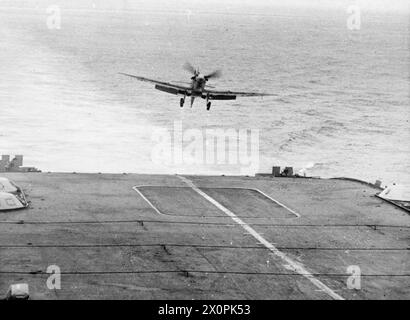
(369, 5)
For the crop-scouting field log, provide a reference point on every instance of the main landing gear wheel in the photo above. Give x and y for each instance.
(181, 102)
(208, 106)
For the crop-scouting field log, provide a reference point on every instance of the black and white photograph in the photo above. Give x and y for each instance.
(221, 152)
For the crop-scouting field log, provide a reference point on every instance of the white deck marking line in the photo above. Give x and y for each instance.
(289, 263)
(279, 203)
(135, 188)
(146, 199)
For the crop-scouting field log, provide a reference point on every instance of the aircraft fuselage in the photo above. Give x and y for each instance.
(198, 85)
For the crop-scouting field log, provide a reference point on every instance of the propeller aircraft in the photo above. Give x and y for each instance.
(197, 88)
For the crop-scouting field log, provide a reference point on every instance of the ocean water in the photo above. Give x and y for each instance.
(342, 104)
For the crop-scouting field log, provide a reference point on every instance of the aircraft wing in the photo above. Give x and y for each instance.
(231, 95)
(163, 86)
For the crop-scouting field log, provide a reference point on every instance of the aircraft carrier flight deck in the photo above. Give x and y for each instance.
(134, 236)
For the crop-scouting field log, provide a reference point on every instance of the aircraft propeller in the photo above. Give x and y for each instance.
(215, 74)
(188, 67)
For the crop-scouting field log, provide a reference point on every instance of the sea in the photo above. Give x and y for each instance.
(341, 95)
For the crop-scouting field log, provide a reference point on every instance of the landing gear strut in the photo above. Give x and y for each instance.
(208, 105)
(181, 102)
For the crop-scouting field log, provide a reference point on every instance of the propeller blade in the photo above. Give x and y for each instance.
(215, 74)
(188, 67)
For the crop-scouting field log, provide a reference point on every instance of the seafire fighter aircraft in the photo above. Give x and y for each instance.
(197, 88)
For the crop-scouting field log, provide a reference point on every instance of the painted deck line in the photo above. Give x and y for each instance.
(289, 264)
(265, 195)
(149, 202)
(279, 203)
(136, 188)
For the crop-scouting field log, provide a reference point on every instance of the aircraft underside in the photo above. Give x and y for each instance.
(194, 95)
